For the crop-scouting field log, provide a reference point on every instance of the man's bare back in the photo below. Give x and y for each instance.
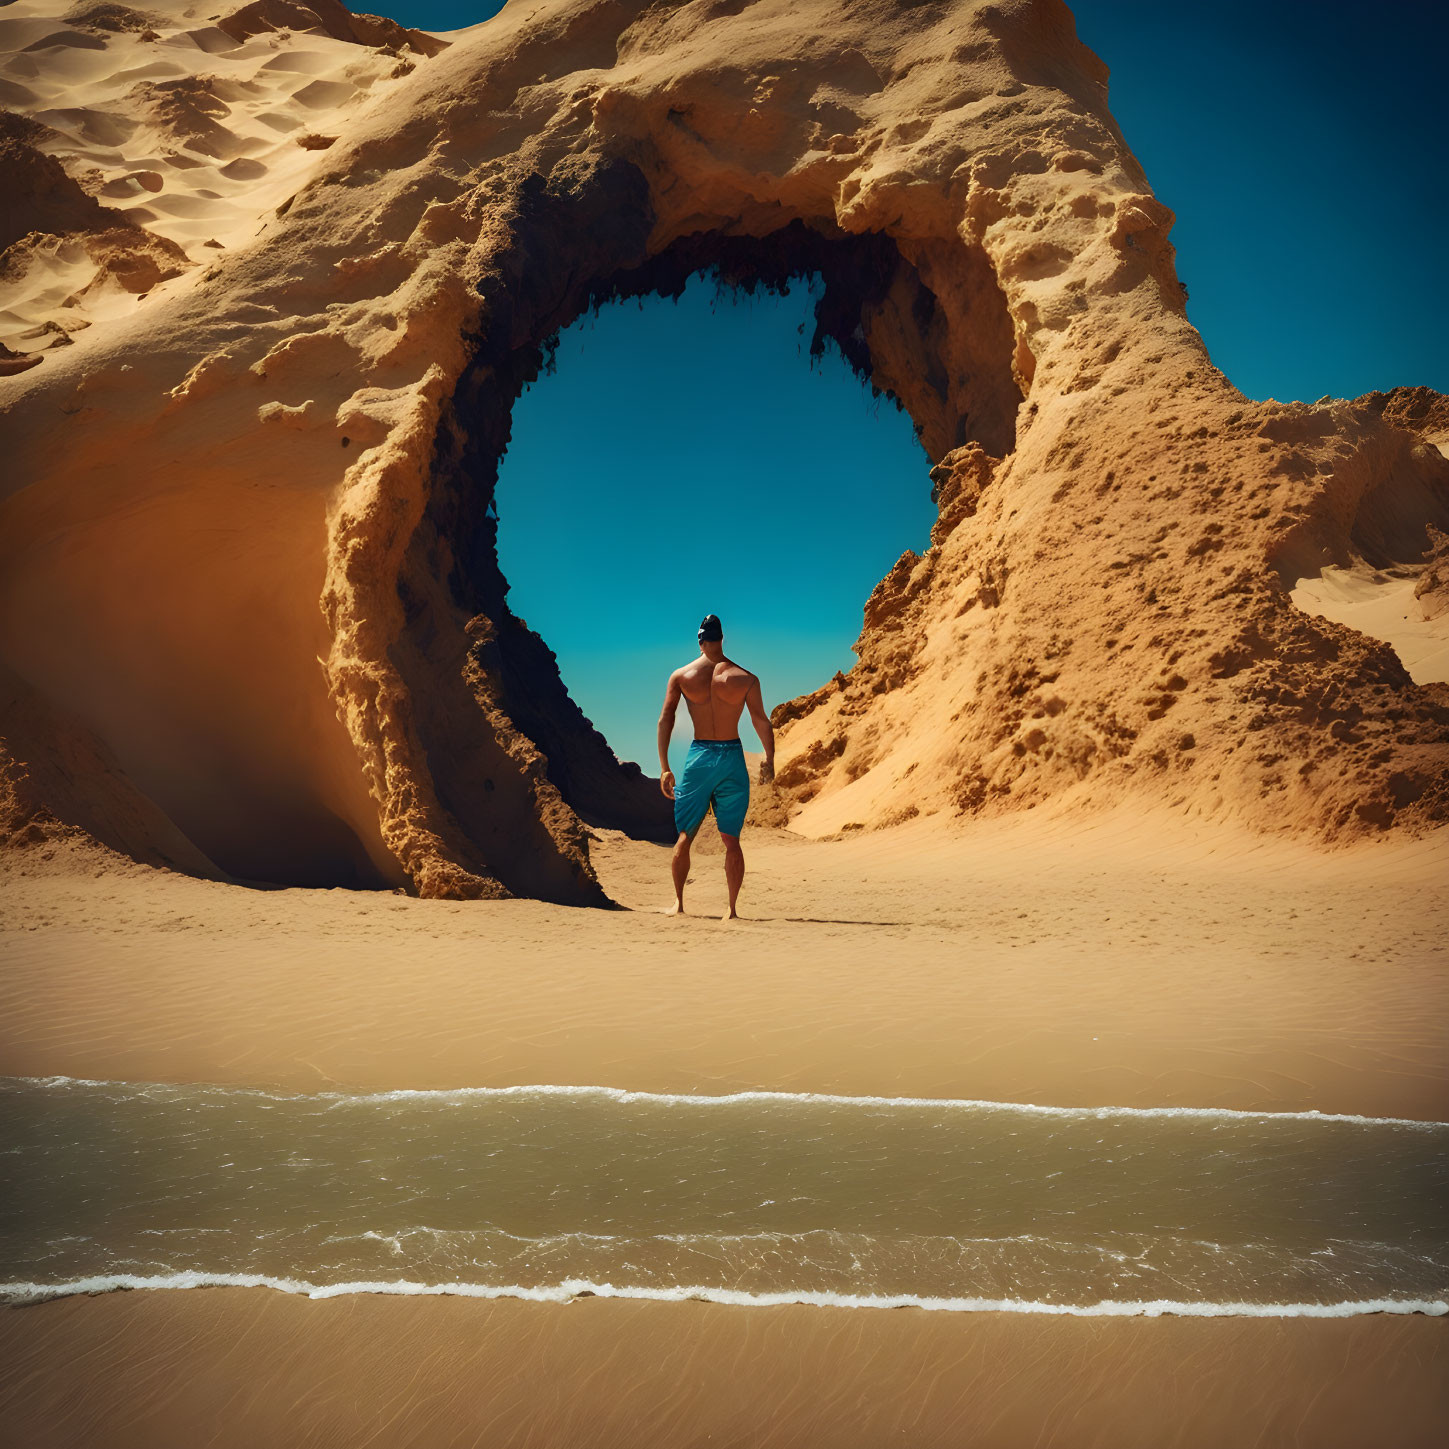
(717, 691)
(715, 694)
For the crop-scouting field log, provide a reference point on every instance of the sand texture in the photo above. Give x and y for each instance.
(245, 551)
(227, 1367)
(1120, 960)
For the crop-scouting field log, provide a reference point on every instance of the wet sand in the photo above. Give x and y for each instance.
(240, 1367)
(1078, 962)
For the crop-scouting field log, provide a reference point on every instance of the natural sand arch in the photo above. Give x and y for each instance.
(461, 648)
(319, 413)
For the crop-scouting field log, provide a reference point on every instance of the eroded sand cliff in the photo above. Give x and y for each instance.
(286, 271)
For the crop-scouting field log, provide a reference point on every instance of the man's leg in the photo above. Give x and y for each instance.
(734, 870)
(731, 798)
(691, 805)
(679, 865)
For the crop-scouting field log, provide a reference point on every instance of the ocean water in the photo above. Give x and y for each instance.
(550, 1192)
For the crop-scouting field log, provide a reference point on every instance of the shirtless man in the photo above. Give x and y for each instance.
(716, 690)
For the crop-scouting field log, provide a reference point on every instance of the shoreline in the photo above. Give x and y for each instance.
(1101, 1110)
(574, 1290)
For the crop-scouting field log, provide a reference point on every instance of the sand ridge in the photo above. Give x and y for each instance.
(1385, 606)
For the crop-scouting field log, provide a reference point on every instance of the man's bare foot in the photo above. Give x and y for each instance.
(730, 916)
(677, 909)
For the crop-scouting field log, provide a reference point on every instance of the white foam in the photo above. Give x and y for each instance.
(571, 1289)
(725, 1099)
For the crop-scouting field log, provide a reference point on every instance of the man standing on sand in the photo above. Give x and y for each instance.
(716, 690)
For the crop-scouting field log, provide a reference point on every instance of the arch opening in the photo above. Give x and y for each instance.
(524, 790)
(688, 457)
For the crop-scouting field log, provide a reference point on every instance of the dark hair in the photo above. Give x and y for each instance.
(711, 631)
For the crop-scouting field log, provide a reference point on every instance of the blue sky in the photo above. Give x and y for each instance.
(1301, 146)
(685, 459)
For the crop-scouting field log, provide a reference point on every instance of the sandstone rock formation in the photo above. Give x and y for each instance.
(246, 550)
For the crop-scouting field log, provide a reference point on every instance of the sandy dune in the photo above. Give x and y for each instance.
(1386, 607)
(185, 128)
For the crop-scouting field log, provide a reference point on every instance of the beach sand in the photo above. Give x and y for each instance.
(248, 1367)
(1105, 960)
(1099, 960)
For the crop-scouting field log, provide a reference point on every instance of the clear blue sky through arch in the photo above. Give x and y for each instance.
(685, 458)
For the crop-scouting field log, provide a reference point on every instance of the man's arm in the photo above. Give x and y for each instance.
(666, 731)
(766, 731)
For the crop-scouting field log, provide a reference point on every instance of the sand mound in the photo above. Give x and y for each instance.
(313, 415)
(1432, 586)
(49, 207)
(104, 16)
(39, 196)
(330, 18)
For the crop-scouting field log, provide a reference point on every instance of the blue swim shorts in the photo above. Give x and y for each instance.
(714, 774)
